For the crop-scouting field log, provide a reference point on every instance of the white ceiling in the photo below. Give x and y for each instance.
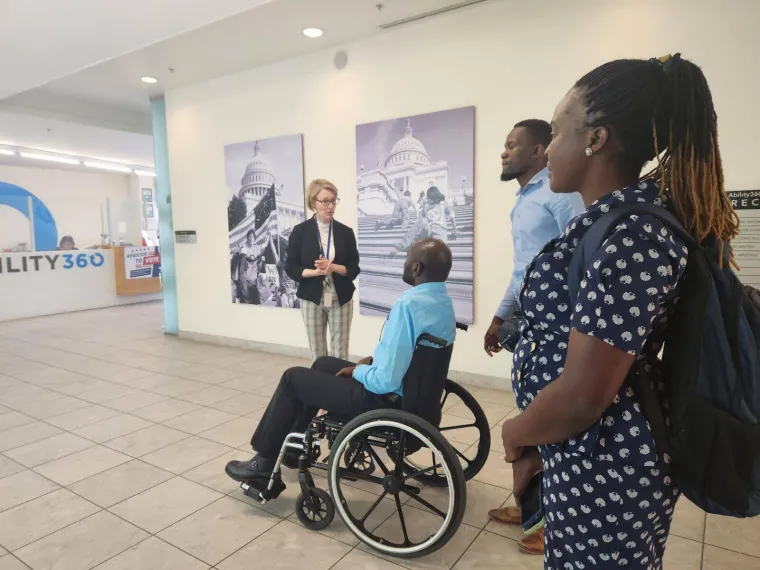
(87, 56)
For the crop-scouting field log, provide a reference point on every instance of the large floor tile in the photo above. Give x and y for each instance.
(26, 434)
(135, 401)
(200, 420)
(492, 552)
(288, 546)
(739, 535)
(8, 467)
(81, 465)
(211, 474)
(83, 545)
(112, 428)
(219, 530)
(106, 393)
(186, 454)
(358, 559)
(49, 449)
(147, 440)
(91, 414)
(12, 419)
(26, 523)
(120, 483)
(166, 410)
(688, 521)
(247, 382)
(494, 412)
(243, 404)
(504, 397)
(165, 504)
(178, 387)
(496, 472)
(210, 395)
(23, 487)
(719, 559)
(235, 433)
(683, 554)
(153, 554)
(10, 562)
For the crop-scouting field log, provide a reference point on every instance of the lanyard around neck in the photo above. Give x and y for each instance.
(329, 238)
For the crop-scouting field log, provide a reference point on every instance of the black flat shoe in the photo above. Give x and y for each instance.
(251, 470)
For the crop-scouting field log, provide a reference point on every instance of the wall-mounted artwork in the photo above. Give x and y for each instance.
(415, 180)
(265, 199)
(147, 195)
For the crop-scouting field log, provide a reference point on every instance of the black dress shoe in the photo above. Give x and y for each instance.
(254, 469)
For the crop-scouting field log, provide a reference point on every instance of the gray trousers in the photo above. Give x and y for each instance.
(317, 317)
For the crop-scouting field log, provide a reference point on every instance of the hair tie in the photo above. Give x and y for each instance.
(666, 62)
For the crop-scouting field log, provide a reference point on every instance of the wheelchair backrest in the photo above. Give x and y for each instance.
(425, 379)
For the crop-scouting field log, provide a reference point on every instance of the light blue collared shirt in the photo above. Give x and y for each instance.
(426, 308)
(539, 216)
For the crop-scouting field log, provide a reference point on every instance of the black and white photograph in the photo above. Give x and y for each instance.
(265, 189)
(414, 181)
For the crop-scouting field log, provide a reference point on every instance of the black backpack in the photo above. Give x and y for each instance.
(711, 372)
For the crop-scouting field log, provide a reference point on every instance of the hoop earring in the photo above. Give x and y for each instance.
(589, 151)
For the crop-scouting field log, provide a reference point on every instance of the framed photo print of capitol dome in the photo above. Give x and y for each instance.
(265, 192)
(414, 178)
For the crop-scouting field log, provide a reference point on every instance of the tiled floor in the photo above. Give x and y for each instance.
(113, 439)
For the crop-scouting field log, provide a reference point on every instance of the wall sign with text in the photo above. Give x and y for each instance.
(31, 263)
(746, 245)
(142, 262)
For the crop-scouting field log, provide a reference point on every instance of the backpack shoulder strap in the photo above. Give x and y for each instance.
(593, 239)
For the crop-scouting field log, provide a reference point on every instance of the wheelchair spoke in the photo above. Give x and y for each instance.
(400, 463)
(416, 474)
(372, 508)
(377, 459)
(448, 428)
(445, 397)
(407, 542)
(422, 501)
(463, 456)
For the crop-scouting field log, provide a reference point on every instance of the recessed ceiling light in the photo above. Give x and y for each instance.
(312, 32)
(147, 79)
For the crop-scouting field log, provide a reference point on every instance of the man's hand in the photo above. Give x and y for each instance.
(347, 372)
(367, 360)
(491, 340)
(523, 470)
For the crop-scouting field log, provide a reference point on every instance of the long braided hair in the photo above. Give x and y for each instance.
(663, 108)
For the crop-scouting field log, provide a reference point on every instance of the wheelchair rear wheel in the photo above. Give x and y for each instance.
(460, 431)
(403, 520)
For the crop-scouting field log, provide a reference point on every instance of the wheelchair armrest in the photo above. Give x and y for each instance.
(434, 340)
(462, 327)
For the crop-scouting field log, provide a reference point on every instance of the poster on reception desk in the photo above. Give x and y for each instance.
(142, 262)
(746, 245)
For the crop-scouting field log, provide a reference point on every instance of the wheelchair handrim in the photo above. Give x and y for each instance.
(347, 517)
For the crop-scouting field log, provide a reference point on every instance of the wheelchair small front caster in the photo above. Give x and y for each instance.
(317, 512)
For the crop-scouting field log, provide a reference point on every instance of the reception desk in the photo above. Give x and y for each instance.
(34, 284)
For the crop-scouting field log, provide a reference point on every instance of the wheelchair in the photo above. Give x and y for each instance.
(401, 453)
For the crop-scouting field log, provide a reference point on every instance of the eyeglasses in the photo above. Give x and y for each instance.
(325, 203)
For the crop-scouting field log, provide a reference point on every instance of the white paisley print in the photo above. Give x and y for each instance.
(609, 498)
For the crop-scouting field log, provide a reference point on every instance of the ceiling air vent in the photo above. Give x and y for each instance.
(439, 11)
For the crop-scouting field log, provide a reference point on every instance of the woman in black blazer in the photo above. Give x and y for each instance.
(324, 259)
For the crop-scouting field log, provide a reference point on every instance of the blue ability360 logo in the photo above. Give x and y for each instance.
(26, 263)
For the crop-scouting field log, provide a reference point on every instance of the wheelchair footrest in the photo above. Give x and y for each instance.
(262, 494)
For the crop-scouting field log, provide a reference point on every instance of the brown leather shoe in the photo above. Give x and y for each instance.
(505, 515)
(533, 543)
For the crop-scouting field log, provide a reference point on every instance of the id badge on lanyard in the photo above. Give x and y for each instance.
(327, 285)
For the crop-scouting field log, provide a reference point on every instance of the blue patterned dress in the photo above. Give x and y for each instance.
(609, 498)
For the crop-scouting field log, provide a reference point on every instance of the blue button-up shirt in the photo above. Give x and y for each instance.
(539, 216)
(426, 308)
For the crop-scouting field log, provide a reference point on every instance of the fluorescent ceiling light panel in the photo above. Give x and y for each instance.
(145, 173)
(110, 167)
(6, 152)
(50, 158)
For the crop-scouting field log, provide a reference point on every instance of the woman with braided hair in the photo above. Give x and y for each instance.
(608, 494)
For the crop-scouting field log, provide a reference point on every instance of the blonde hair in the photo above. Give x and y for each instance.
(315, 187)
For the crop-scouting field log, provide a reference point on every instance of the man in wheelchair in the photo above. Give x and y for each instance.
(348, 389)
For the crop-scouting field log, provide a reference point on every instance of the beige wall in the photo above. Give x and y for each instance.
(512, 60)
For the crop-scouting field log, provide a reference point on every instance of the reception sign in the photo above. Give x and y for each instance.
(141, 262)
(746, 245)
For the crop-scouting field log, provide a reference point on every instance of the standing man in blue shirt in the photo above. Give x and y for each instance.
(538, 216)
(374, 382)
